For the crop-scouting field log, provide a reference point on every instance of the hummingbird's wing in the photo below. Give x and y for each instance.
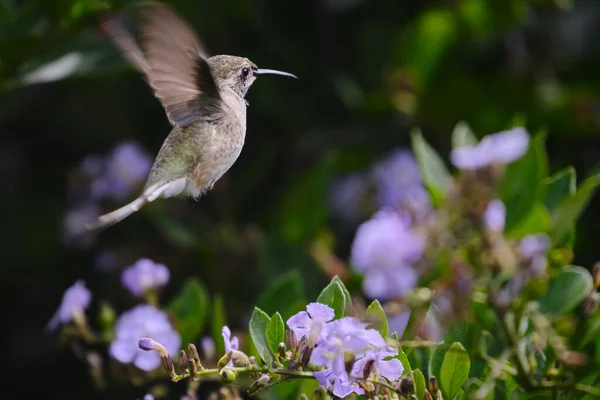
(174, 63)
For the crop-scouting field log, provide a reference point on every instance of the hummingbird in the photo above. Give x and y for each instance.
(203, 97)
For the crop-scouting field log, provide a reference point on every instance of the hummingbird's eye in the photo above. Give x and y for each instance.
(245, 72)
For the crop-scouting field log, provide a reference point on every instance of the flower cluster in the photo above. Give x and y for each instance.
(143, 321)
(335, 342)
(497, 149)
(385, 250)
(114, 176)
(395, 182)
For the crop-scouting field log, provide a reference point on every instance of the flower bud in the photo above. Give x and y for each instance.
(193, 352)
(406, 385)
(240, 359)
(427, 396)
(192, 366)
(148, 344)
(182, 361)
(168, 364)
(227, 375)
(305, 357)
(252, 360)
(225, 360)
(291, 339)
(281, 350)
(433, 385)
(107, 316)
(260, 383)
(303, 397)
(596, 275)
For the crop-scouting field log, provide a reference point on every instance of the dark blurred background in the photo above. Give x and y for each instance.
(369, 71)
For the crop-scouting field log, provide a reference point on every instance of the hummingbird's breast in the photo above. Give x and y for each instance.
(219, 146)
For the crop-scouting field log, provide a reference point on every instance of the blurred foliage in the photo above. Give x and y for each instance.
(370, 71)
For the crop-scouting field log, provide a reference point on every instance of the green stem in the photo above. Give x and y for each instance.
(242, 370)
(587, 389)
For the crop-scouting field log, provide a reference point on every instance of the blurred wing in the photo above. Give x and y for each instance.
(172, 60)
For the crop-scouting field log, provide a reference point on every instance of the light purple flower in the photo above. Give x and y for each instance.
(534, 245)
(384, 249)
(494, 217)
(311, 322)
(143, 321)
(209, 350)
(75, 300)
(397, 178)
(145, 274)
(349, 337)
(124, 168)
(230, 343)
(347, 195)
(341, 384)
(533, 249)
(381, 366)
(499, 148)
(344, 336)
(398, 323)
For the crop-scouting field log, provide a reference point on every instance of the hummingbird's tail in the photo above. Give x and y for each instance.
(160, 189)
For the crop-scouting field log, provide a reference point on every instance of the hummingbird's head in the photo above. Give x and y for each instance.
(237, 73)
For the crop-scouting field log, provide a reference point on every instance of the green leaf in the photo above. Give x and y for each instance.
(190, 309)
(462, 136)
(435, 174)
(404, 361)
(538, 221)
(567, 290)
(284, 294)
(521, 187)
(559, 187)
(569, 210)
(259, 321)
(347, 297)
(455, 369)
(275, 332)
(333, 296)
(219, 320)
(419, 382)
(376, 316)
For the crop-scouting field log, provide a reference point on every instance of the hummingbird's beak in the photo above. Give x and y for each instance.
(262, 71)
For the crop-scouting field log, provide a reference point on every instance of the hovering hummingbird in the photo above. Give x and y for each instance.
(204, 101)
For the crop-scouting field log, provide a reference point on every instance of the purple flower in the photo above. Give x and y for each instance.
(230, 343)
(143, 321)
(349, 337)
(311, 322)
(75, 300)
(495, 216)
(398, 179)
(397, 323)
(209, 350)
(533, 249)
(499, 148)
(347, 196)
(341, 383)
(344, 336)
(391, 369)
(384, 249)
(126, 167)
(143, 275)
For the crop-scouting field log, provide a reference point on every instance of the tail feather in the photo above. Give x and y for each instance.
(161, 189)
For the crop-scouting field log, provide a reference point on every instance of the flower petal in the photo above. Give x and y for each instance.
(320, 312)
